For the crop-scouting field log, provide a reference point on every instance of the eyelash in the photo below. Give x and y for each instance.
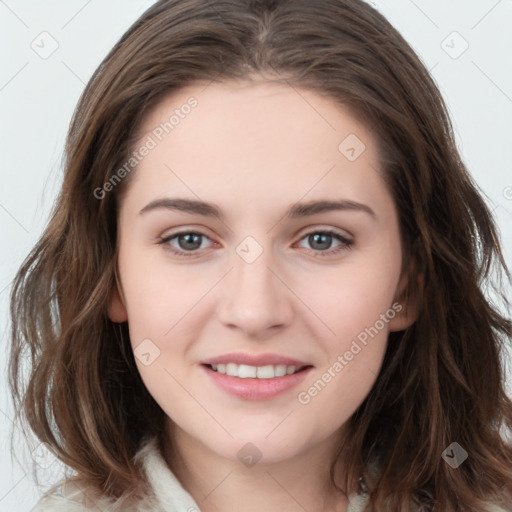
(345, 243)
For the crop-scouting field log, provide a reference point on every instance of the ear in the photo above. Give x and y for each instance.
(407, 303)
(116, 308)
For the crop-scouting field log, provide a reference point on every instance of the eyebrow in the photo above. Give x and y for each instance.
(297, 210)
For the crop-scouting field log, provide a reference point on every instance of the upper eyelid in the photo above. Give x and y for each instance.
(313, 229)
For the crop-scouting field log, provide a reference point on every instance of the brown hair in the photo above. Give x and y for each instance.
(442, 379)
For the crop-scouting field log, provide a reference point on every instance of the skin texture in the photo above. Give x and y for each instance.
(255, 149)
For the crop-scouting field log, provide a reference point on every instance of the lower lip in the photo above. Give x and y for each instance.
(256, 389)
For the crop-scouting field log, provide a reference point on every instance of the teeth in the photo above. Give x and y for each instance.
(245, 371)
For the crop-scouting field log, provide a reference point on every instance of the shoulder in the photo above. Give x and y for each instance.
(58, 504)
(69, 496)
(164, 491)
(495, 508)
(358, 503)
(72, 497)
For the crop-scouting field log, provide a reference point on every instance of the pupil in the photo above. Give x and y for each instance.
(313, 239)
(192, 241)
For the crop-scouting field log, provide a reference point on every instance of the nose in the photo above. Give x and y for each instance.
(254, 298)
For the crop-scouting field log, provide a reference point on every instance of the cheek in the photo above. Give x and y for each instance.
(167, 305)
(355, 304)
(354, 353)
(159, 296)
(352, 297)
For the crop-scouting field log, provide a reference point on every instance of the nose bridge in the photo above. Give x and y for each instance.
(253, 298)
(254, 276)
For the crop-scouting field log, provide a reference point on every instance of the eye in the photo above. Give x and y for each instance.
(322, 240)
(186, 241)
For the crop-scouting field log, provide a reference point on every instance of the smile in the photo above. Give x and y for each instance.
(243, 381)
(245, 371)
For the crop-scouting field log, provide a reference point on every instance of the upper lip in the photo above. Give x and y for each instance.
(255, 360)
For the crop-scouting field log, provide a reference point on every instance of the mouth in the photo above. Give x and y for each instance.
(255, 383)
(243, 371)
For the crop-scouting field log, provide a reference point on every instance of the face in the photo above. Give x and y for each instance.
(262, 268)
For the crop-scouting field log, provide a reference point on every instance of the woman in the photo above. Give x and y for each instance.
(326, 344)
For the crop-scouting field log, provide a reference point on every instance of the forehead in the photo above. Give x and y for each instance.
(256, 137)
(252, 109)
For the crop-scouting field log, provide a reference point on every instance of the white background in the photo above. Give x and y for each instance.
(37, 98)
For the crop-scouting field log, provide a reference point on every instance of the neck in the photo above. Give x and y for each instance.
(222, 484)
